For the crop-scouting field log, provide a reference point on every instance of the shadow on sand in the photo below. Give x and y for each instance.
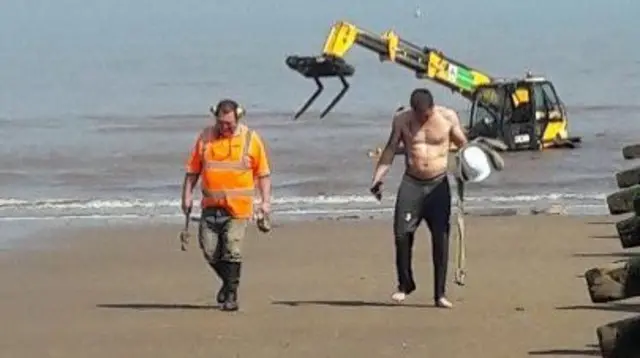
(614, 307)
(589, 352)
(607, 254)
(345, 303)
(604, 236)
(601, 223)
(157, 306)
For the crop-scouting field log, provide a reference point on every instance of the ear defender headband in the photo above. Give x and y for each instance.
(239, 111)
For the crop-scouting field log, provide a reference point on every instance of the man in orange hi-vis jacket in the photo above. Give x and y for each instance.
(229, 159)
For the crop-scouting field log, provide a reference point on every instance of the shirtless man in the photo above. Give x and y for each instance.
(426, 132)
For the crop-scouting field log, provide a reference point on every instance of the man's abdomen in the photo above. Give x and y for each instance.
(425, 167)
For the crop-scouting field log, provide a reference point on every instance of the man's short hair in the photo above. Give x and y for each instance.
(421, 100)
(225, 106)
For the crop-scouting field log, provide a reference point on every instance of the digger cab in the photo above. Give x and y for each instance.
(525, 114)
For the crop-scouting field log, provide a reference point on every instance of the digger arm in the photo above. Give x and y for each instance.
(425, 62)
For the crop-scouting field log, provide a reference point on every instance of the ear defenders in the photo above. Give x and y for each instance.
(239, 111)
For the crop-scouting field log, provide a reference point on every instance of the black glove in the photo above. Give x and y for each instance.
(376, 190)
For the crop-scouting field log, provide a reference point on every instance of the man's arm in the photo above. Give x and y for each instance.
(264, 187)
(262, 170)
(189, 183)
(193, 169)
(400, 149)
(388, 153)
(456, 134)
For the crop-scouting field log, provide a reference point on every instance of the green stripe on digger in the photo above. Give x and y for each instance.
(465, 78)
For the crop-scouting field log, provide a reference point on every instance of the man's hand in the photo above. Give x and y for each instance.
(376, 190)
(262, 217)
(265, 208)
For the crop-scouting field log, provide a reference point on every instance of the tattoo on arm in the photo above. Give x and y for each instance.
(392, 146)
(457, 132)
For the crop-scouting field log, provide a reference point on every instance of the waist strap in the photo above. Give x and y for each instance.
(424, 182)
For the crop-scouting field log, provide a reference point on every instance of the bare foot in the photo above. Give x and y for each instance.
(399, 297)
(444, 303)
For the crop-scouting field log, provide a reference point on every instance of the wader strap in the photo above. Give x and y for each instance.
(245, 150)
(460, 256)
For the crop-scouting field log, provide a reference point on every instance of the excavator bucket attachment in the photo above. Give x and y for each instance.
(321, 66)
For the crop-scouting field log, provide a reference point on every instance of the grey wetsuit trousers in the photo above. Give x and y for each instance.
(430, 200)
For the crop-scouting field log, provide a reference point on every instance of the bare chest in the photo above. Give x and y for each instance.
(433, 134)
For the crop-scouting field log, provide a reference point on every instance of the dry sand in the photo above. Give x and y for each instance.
(318, 289)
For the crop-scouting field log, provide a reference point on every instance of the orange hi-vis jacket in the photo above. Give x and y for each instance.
(227, 168)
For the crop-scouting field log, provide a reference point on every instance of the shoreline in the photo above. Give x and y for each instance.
(312, 288)
(18, 230)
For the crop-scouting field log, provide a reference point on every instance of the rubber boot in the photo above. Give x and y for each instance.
(233, 282)
(220, 267)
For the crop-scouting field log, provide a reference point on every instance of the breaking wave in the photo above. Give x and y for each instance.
(21, 209)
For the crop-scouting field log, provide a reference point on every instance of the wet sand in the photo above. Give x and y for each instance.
(315, 289)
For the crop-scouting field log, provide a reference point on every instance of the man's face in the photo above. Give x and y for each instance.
(226, 123)
(423, 114)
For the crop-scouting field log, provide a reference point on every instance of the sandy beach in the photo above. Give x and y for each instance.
(309, 289)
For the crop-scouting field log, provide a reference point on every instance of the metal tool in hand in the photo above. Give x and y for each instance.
(263, 222)
(184, 234)
(460, 255)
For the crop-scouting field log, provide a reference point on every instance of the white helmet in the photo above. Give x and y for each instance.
(474, 164)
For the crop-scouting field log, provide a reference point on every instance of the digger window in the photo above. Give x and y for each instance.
(547, 104)
(487, 111)
(550, 94)
(545, 97)
(488, 104)
(485, 114)
(521, 106)
(538, 99)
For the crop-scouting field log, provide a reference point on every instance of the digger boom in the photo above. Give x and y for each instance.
(427, 63)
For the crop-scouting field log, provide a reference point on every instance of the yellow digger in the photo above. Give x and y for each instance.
(523, 113)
